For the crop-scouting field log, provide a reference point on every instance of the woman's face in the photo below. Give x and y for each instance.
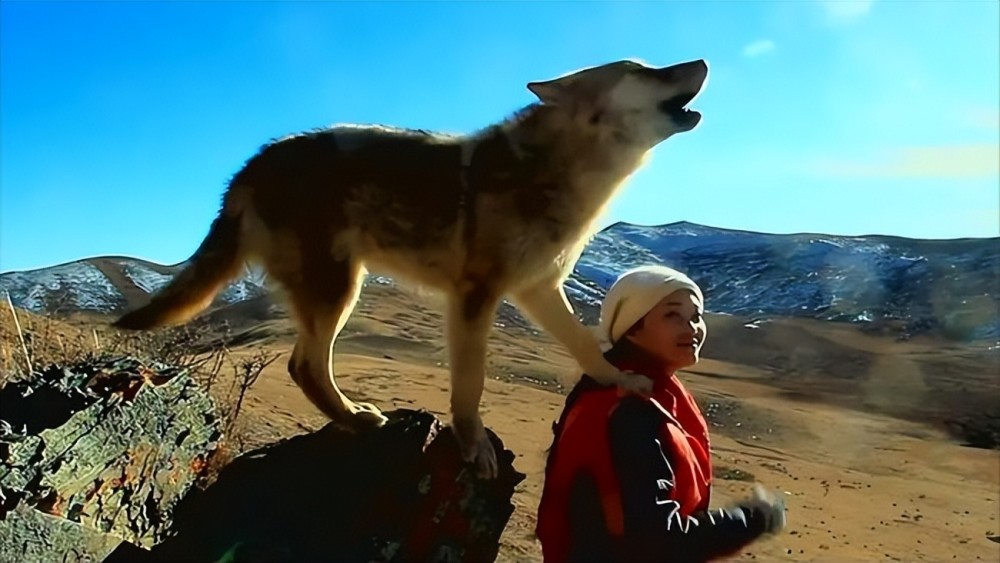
(674, 330)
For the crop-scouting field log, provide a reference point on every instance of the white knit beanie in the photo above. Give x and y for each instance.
(634, 293)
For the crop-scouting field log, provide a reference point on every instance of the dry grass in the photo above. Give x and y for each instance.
(30, 342)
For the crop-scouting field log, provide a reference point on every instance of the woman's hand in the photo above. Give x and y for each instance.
(772, 505)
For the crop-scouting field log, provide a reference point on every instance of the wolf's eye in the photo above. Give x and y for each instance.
(596, 118)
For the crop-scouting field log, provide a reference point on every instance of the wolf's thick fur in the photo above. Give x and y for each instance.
(504, 212)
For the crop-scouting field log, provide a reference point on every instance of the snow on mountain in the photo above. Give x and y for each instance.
(102, 285)
(250, 285)
(951, 284)
(145, 278)
(63, 288)
(926, 284)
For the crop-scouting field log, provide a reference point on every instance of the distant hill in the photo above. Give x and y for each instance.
(946, 286)
(107, 285)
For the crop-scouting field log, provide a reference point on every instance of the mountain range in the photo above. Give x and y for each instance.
(950, 287)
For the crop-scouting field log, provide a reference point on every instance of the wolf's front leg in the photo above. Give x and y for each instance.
(547, 305)
(468, 323)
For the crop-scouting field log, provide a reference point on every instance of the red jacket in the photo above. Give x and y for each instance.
(629, 478)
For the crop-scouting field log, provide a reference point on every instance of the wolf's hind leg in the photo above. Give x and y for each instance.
(322, 297)
(469, 320)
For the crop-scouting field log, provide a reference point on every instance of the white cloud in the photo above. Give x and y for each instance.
(846, 11)
(757, 48)
(941, 162)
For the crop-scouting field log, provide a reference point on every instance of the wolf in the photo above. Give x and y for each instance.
(501, 213)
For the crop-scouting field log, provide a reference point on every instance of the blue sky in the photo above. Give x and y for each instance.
(120, 122)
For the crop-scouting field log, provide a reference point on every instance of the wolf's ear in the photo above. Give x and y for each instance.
(558, 89)
(581, 84)
(548, 91)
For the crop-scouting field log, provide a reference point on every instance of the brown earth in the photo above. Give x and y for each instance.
(852, 426)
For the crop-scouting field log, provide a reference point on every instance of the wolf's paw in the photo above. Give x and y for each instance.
(364, 416)
(485, 458)
(475, 447)
(638, 384)
(607, 374)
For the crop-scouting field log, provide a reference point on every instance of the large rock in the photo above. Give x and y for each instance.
(110, 444)
(32, 536)
(99, 460)
(399, 493)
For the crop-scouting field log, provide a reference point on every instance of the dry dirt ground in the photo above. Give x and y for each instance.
(843, 422)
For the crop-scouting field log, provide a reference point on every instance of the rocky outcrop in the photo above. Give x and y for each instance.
(101, 459)
(399, 493)
(109, 444)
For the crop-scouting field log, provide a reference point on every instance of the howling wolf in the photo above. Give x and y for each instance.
(501, 213)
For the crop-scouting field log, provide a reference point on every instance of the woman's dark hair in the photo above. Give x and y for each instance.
(634, 328)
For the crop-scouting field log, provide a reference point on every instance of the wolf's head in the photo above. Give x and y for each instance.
(627, 101)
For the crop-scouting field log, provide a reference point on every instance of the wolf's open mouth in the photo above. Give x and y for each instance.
(674, 107)
(676, 104)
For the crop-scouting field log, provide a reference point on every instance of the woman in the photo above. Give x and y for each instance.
(629, 477)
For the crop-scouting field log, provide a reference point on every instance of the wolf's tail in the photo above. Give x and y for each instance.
(217, 261)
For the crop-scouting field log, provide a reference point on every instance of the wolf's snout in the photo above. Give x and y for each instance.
(691, 72)
(684, 81)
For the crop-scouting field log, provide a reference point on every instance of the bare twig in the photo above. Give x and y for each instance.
(213, 374)
(20, 335)
(246, 373)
